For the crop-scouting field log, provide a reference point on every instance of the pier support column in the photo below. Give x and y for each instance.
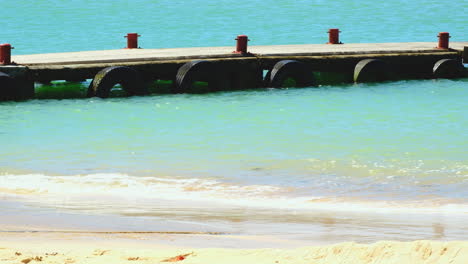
(25, 89)
(7, 87)
(465, 54)
(244, 75)
(15, 83)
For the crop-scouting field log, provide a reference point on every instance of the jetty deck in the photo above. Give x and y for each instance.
(145, 55)
(223, 69)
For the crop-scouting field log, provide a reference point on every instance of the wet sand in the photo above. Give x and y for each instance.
(50, 236)
(320, 227)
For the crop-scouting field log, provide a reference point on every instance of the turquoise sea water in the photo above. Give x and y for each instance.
(361, 162)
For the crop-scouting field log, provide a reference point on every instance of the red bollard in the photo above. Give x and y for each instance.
(241, 46)
(132, 40)
(334, 36)
(443, 40)
(5, 54)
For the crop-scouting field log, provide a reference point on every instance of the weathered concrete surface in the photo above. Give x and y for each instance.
(141, 55)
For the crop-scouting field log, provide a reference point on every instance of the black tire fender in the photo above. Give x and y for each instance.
(370, 70)
(448, 68)
(285, 69)
(199, 70)
(105, 79)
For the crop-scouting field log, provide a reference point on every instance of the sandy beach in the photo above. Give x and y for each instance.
(57, 247)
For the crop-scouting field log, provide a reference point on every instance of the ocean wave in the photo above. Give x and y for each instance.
(134, 195)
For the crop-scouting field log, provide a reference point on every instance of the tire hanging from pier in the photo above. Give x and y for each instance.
(448, 68)
(107, 78)
(371, 70)
(289, 70)
(199, 71)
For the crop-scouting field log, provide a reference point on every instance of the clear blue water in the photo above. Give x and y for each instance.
(246, 161)
(55, 26)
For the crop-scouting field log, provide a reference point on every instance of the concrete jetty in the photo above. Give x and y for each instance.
(224, 68)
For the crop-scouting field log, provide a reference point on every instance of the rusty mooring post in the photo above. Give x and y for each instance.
(334, 36)
(132, 40)
(241, 45)
(5, 54)
(443, 40)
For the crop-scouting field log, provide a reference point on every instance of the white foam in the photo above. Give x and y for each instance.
(119, 190)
